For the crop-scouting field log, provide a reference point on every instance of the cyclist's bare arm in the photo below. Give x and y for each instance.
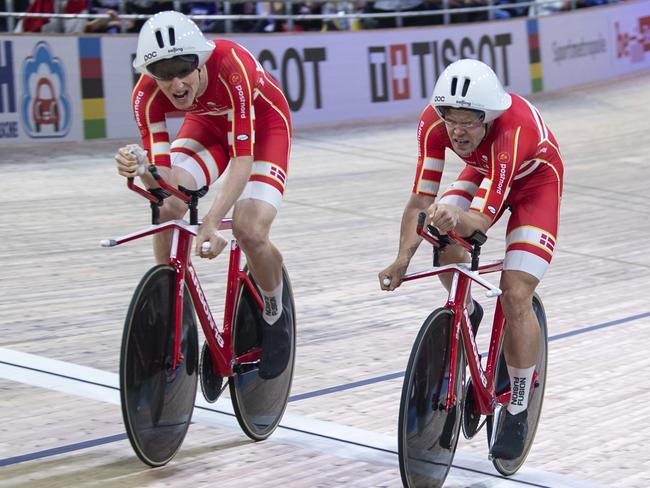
(239, 170)
(450, 217)
(409, 241)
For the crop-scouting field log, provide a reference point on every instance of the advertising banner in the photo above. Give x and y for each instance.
(39, 87)
(76, 88)
(596, 44)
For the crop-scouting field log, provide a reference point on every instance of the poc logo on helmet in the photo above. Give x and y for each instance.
(438, 99)
(150, 55)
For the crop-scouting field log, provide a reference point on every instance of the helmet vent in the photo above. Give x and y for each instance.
(454, 83)
(465, 87)
(159, 39)
(172, 36)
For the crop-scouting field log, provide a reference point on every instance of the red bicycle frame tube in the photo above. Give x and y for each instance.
(220, 343)
(484, 379)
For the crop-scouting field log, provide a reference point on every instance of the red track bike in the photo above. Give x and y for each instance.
(436, 401)
(160, 362)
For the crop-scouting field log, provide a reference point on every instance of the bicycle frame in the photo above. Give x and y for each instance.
(219, 343)
(462, 277)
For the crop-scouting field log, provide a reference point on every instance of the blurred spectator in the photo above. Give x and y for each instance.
(206, 8)
(509, 13)
(49, 24)
(18, 6)
(384, 6)
(544, 7)
(145, 7)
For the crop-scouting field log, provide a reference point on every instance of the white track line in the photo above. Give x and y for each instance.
(327, 437)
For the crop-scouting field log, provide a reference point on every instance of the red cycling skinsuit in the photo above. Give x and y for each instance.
(517, 165)
(242, 112)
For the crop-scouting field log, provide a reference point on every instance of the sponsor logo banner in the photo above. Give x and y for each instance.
(39, 89)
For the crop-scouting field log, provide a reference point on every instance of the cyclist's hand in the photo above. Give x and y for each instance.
(444, 217)
(131, 160)
(209, 242)
(392, 277)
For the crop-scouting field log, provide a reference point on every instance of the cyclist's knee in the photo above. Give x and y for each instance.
(516, 303)
(453, 254)
(172, 209)
(251, 235)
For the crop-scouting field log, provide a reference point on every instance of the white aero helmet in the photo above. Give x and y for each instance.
(470, 84)
(168, 35)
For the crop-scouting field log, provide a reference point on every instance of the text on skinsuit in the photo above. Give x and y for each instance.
(242, 101)
(136, 107)
(204, 304)
(502, 177)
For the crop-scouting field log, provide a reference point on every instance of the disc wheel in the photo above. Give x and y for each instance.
(508, 467)
(427, 432)
(157, 399)
(258, 403)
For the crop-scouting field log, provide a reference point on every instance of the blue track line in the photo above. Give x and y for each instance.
(294, 398)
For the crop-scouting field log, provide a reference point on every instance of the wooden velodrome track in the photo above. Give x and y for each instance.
(64, 299)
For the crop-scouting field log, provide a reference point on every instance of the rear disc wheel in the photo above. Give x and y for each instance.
(508, 467)
(259, 403)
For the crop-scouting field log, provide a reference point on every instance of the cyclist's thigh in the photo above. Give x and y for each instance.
(461, 192)
(271, 158)
(200, 149)
(532, 228)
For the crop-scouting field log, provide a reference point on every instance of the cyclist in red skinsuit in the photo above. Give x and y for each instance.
(512, 161)
(235, 117)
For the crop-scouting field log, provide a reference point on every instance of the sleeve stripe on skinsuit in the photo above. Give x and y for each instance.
(423, 186)
(541, 126)
(157, 131)
(274, 84)
(463, 186)
(532, 166)
(478, 202)
(286, 122)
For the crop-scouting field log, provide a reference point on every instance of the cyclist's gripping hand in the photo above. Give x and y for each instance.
(392, 277)
(444, 217)
(209, 242)
(131, 160)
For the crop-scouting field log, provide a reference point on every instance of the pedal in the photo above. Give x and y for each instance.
(497, 416)
(242, 368)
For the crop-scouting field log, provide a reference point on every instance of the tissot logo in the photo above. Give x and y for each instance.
(633, 43)
(404, 71)
(298, 72)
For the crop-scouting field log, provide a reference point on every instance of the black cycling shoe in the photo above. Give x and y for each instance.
(276, 346)
(476, 317)
(510, 440)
